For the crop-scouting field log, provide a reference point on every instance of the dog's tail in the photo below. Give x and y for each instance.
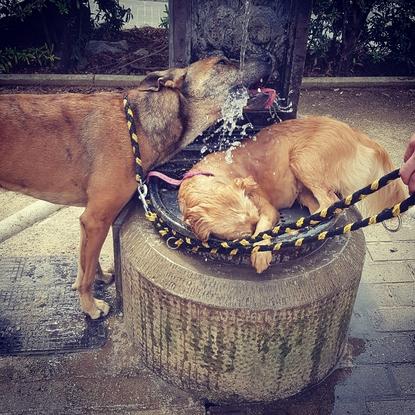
(371, 163)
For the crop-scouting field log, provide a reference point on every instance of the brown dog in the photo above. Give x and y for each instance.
(311, 160)
(75, 149)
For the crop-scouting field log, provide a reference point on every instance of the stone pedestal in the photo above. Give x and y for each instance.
(227, 334)
(220, 330)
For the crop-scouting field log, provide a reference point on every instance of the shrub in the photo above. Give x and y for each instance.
(11, 57)
(347, 36)
(63, 25)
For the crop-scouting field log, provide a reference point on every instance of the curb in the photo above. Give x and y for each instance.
(117, 80)
(92, 80)
(26, 217)
(88, 80)
(358, 82)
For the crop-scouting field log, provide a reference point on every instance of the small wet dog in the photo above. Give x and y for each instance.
(75, 149)
(312, 160)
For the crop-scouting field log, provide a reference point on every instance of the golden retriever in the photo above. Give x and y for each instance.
(312, 160)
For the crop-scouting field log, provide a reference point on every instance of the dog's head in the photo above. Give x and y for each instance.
(214, 77)
(209, 78)
(176, 105)
(213, 207)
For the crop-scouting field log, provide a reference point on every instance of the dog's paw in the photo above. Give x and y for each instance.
(102, 306)
(77, 282)
(97, 309)
(261, 260)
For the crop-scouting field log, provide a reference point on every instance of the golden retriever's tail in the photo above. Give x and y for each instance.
(371, 163)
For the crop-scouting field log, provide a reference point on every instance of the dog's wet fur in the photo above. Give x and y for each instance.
(312, 160)
(75, 149)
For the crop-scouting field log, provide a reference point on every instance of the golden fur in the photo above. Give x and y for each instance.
(311, 160)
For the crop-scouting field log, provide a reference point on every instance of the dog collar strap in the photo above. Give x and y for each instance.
(176, 182)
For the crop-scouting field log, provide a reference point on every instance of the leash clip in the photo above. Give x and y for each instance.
(397, 228)
(142, 191)
(170, 243)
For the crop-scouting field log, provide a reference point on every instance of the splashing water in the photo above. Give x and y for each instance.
(230, 127)
(232, 109)
(229, 151)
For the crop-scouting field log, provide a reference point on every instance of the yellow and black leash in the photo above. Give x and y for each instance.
(265, 241)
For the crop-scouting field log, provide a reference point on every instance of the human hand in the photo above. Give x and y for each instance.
(408, 168)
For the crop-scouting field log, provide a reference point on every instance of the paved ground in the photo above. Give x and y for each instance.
(377, 377)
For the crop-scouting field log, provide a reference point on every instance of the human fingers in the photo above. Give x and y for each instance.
(411, 184)
(410, 149)
(407, 169)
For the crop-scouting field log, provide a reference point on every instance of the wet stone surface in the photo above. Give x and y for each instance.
(39, 313)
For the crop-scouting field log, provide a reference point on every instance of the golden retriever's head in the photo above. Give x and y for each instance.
(211, 206)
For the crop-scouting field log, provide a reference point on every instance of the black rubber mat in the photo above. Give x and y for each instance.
(40, 313)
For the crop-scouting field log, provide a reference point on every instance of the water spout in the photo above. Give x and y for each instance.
(245, 34)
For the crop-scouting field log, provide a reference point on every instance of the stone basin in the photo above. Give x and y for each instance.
(227, 334)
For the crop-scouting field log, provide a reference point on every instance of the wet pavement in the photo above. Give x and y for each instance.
(375, 377)
(39, 309)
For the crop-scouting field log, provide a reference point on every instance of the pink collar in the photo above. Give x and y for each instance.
(175, 182)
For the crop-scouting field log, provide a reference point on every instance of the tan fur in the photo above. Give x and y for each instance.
(312, 160)
(75, 149)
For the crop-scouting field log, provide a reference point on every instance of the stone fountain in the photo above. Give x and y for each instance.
(216, 328)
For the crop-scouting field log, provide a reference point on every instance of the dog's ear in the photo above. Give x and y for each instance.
(196, 218)
(150, 83)
(172, 78)
(247, 184)
(175, 80)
